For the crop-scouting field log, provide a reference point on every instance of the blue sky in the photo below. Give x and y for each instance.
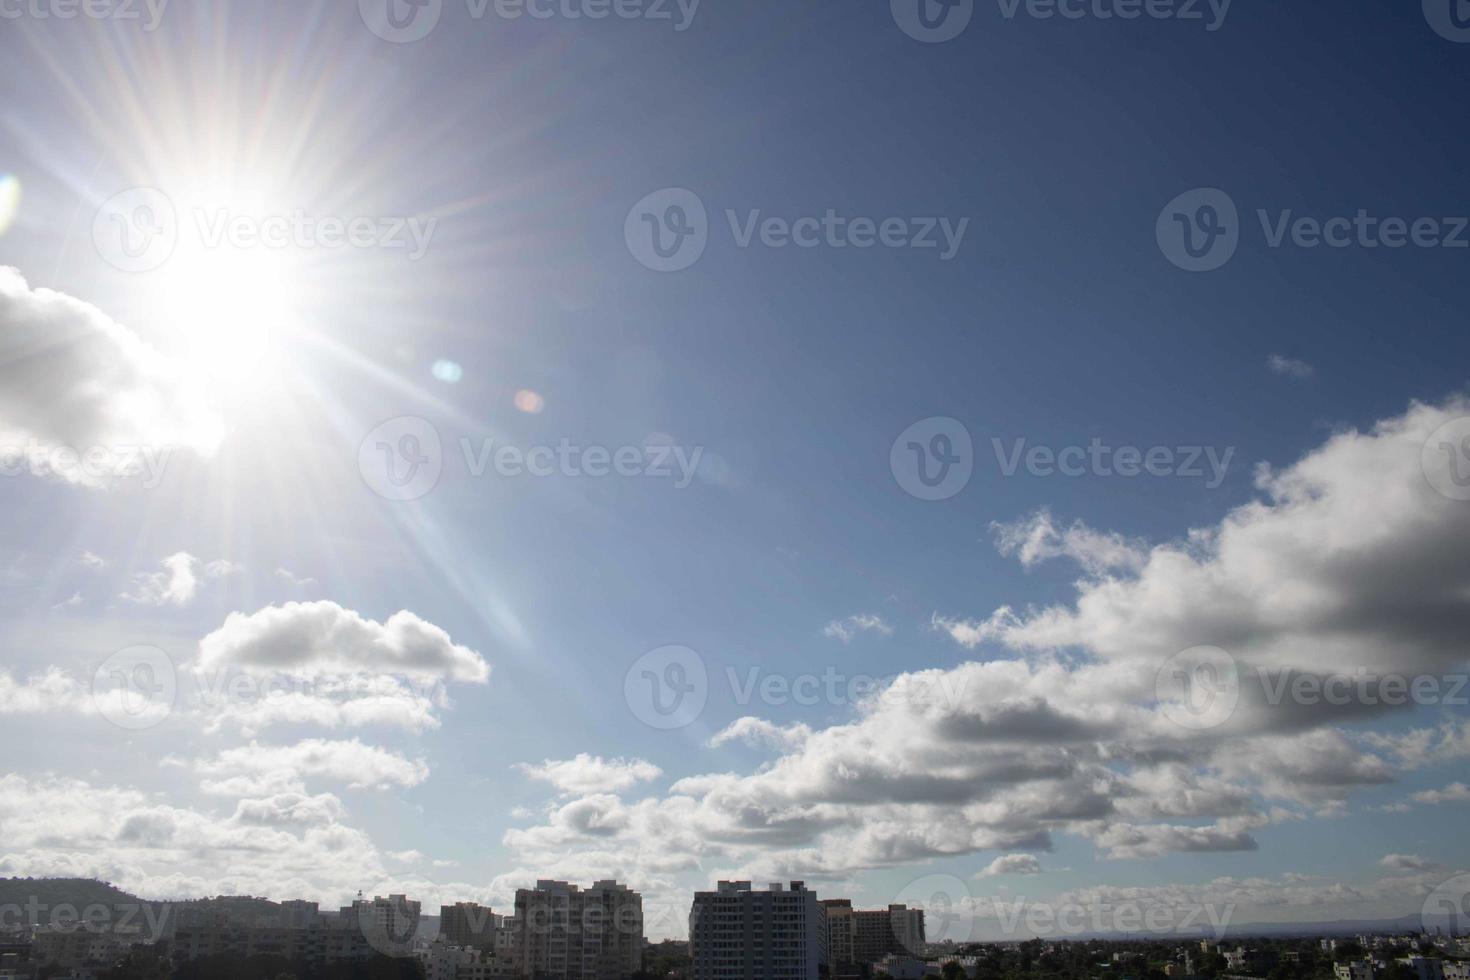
(520, 146)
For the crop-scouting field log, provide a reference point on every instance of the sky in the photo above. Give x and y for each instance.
(978, 454)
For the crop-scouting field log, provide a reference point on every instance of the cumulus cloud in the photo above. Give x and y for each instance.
(51, 690)
(846, 629)
(176, 585)
(1011, 864)
(73, 379)
(1407, 862)
(321, 664)
(591, 774)
(1453, 793)
(317, 638)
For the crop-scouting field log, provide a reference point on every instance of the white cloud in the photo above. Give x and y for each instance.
(293, 580)
(278, 769)
(88, 560)
(1453, 793)
(846, 629)
(176, 585)
(1289, 366)
(322, 638)
(72, 378)
(52, 690)
(591, 774)
(1011, 864)
(1036, 539)
(1407, 862)
(759, 733)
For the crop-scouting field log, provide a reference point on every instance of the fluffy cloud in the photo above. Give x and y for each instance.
(846, 629)
(318, 663)
(52, 690)
(1351, 560)
(759, 733)
(71, 378)
(1036, 539)
(1407, 862)
(1011, 864)
(260, 769)
(1289, 366)
(592, 774)
(315, 638)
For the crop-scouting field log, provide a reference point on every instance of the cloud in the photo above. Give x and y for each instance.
(88, 560)
(293, 580)
(1350, 560)
(274, 769)
(176, 585)
(591, 774)
(1408, 862)
(71, 378)
(50, 691)
(1453, 793)
(1289, 367)
(846, 629)
(759, 733)
(320, 638)
(1011, 864)
(1036, 539)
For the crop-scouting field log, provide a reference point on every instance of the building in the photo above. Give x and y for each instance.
(389, 924)
(322, 941)
(896, 930)
(467, 924)
(1254, 962)
(563, 931)
(1424, 968)
(736, 933)
(1354, 970)
(841, 930)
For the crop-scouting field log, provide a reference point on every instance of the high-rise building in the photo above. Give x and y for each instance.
(897, 930)
(736, 933)
(841, 930)
(467, 924)
(565, 932)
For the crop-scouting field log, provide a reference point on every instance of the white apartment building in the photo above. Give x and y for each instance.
(564, 931)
